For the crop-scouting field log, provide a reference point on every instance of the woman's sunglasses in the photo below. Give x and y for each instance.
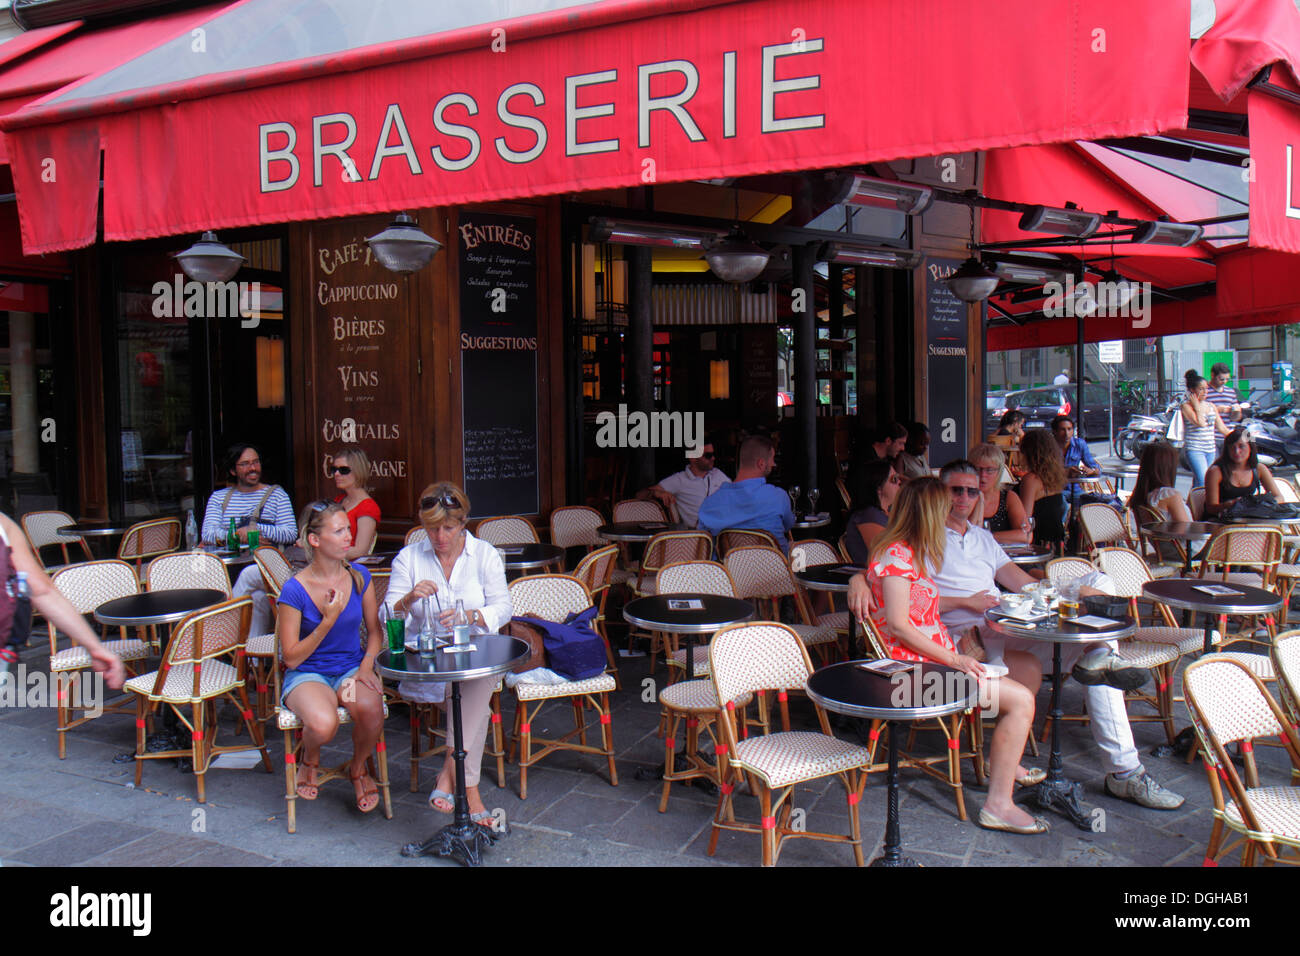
(338, 469)
(447, 500)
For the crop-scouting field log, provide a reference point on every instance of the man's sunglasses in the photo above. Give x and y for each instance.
(447, 500)
(960, 490)
(339, 469)
(706, 454)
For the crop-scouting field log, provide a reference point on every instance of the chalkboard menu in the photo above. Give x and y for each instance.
(945, 363)
(361, 362)
(498, 360)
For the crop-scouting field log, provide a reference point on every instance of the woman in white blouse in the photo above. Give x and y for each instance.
(453, 564)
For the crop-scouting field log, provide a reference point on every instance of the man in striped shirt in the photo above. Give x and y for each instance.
(248, 501)
(1224, 398)
(247, 497)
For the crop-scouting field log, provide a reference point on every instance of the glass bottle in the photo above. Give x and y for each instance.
(460, 624)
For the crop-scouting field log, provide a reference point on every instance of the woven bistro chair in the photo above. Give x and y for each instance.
(1229, 704)
(1196, 503)
(732, 538)
(1248, 555)
(553, 597)
(762, 575)
(1286, 664)
(813, 553)
(41, 528)
(574, 526)
(149, 539)
(1061, 570)
(415, 535)
(945, 768)
(187, 569)
(193, 677)
(669, 547)
(596, 571)
(261, 648)
(506, 531)
(684, 577)
(744, 659)
(87, 586)
(633, 509)
(1164, 558)
(843, 546)
(1102, 526)
(291, 726)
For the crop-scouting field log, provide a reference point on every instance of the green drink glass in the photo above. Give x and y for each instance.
(254, 537)
(396, 634)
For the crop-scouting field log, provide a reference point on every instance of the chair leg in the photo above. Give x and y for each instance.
(417, 723)
(854, 791)
(607, 738)
(141, 706)
(198, 747)
(381, 752)
(62, 694)
(525, 745)
(579, 720)
(498, 740)
(290, 781)
(670, 754)
(768, 825)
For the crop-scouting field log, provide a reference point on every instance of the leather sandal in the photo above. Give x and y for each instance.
(989, 822)
(442, 795)
(306, 791)
(366, 791)
(1032, 778)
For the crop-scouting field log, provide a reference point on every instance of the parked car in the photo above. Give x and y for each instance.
(1041, 405)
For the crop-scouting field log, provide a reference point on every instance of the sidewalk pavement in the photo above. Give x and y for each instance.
(84, 811)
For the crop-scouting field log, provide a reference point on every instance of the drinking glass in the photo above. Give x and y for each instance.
(813, 495)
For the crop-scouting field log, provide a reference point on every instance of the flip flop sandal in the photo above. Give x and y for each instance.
(1032, 778)
(366, 792)
(480, 817)
(442, 795)
(302, 786)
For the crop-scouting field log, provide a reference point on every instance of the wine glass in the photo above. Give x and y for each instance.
(813, 495)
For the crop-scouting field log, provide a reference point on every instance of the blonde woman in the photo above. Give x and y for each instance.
(453, 564)
(905, 611)
(350, 470)
(1003, 513)
(1042, 487)
(318, 623)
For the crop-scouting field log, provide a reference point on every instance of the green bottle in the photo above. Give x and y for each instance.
(232, 540)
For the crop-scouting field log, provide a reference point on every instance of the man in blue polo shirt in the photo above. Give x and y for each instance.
(1079, 462)
(749, 501)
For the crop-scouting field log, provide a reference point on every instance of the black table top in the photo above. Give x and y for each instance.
(157, 607)
(1056, 631)
(1182, 530)
(377, 559)
(91, 529)
(929, 690)
(492, 654)
(633, 530)
(818, 519)
(656, 614)
(828, 577)
(532, 555)
(1181, 593)
(1027, 553)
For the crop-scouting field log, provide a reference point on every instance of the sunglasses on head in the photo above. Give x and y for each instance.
(339, 469)
(959, 490)
(319, 506)
(447, 500)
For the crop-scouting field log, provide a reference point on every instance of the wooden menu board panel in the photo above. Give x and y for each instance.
(498, 341)
(945, 363)
(361, 361)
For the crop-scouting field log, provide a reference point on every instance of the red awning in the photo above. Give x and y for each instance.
(585, 98)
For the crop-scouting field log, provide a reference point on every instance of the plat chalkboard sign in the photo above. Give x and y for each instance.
(498, 356)
(945, 363)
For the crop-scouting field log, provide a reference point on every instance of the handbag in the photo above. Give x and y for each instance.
(522, 629)
(575, 651)
(1175, 430)
(1263, 506)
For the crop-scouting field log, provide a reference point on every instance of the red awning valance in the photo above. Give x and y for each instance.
(653, 91)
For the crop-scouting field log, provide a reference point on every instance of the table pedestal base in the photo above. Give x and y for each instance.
(463, 842)
(902, 861)
(1062, 796)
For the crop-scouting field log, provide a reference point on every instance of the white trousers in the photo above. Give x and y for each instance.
(1108, 717)
(250, 583)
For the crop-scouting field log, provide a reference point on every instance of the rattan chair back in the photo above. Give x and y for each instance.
(415, 536)
(149, 539)
(275, 568)
(379, 581)
(811, 553)
(631, 509)
(575, 526)
(1286, 665)
(731, 538)
(41, 528)
(209, 632)
(187, 569)
(1256, 548)
(1061, 570)
(670, 547)
(1102, 526)
(91, 583)
(552, 597)
(747, 658)
(702, 577)
(596, 571)
(506, 531)
(1196, 502)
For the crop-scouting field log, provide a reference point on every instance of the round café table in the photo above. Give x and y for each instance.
(632, 531)
(1184, 594)
(833, 578)
(1058, 792)
(377, 559)
(811, 522)
(230, 559)
(939, 691)
(491, 654)
(1191, 534)
(149, 608)
(529, 557)
(95, 530)
(668, 614)
(1120, 473)
(1025, 554)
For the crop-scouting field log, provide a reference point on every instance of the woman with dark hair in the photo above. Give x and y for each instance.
(905, 607)
(450, 565)
(350, 469)
(880, 485)
(1012, 425)
(1237, 474)
(1042, 487)
(319, 618)
(1154, 487)
(1201, 420)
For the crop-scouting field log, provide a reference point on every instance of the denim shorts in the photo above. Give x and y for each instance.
(293, 679)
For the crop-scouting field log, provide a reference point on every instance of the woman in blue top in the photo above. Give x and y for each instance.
(318, 623)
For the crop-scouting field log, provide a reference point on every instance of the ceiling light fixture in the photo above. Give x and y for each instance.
(735, 258)
(209, 260)
(652, 234)
(1167, 233)
(884, 194)
(1060, 222)
(856, 255)
(403, 247)
(972, 282)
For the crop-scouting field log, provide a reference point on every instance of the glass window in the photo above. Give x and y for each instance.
(29, 459)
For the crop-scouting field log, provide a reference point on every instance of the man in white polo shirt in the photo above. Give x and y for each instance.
(972, 562)
(688, 488)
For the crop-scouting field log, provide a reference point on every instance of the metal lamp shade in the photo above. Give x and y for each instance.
(209, 260)
(972, 282)
(404, 247)
(736, 259)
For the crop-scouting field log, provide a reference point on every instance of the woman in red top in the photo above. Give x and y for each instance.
(350, 470)
(905, 613)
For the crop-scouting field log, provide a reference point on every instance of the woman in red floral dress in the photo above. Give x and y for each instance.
(905, 613)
